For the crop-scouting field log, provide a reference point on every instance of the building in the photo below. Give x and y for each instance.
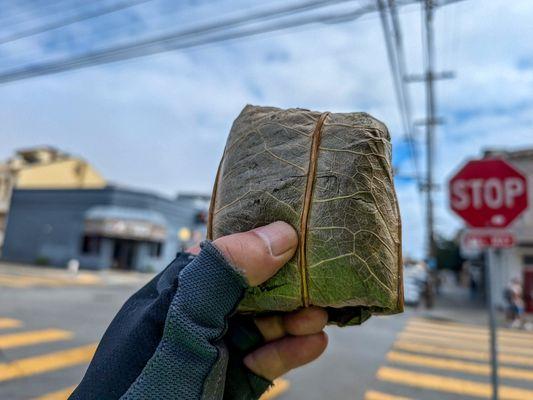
(515, 262)
(43, 167)
(101, 228)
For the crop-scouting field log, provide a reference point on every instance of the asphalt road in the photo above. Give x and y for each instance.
(49, 326)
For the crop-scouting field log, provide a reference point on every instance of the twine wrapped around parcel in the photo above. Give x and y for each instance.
(330, 176)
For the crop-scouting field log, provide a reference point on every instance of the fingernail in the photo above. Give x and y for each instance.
(279, 236)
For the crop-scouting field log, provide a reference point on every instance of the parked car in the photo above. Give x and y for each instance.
(414, 281)
(412, 291)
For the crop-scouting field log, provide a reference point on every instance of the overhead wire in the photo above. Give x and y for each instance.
(398, 73)
(69, 20)
(392, 60)
(36, 13)
(193, 37)
(401, 66)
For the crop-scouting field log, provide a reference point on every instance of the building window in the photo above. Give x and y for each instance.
(156, 248)
(90, 244)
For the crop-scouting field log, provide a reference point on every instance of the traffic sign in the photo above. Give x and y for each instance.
(482, 239)
(488, 193)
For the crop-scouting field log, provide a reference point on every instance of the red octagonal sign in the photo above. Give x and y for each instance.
(488, 193)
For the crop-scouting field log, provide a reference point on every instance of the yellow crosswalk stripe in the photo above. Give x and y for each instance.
(13, 282)
(25, 281)
(458, 366)
(33, 337)
(465, 343)
(468, 335)
(459, 386)
(279, 387)
(375, 395)
(474, 331)
(87, 279)
(62, 394)
(22, 281)
(6, 323)
(479, 355)
(46, 363)
(470, 327)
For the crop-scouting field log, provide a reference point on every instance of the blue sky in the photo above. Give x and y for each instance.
(161, 122)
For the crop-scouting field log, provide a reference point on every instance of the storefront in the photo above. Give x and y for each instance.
(101, 228)
(124, 238)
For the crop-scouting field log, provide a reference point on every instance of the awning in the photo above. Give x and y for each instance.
(125, 223)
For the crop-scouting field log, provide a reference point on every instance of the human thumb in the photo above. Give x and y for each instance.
(261, 252)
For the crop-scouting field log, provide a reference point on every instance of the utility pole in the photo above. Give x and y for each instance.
(430, 129)
(430, 122)
(396, 57)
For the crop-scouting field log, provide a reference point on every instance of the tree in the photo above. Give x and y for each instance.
(448, 254)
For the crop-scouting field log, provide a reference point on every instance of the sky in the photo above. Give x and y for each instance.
(160, 122)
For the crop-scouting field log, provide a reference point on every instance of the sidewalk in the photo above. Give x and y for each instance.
(453, 303)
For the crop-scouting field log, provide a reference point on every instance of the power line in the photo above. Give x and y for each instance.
(402, 72)
(54, 7)
(393, 57)
(70, 20)
(191, 37)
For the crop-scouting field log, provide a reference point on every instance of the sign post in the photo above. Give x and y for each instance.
(489, 276)
(489, 195)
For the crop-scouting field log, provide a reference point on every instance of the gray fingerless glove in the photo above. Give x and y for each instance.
(191, 360)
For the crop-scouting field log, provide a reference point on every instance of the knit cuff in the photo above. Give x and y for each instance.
(191, 359)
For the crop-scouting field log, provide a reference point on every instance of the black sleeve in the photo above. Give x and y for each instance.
(132, 337)
(177, 338)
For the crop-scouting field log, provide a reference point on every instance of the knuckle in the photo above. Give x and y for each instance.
(260, 245)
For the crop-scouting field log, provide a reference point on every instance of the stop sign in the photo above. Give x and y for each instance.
(488, 193)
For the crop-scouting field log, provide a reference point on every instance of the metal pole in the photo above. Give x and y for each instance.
(494, 258)
(430, 126)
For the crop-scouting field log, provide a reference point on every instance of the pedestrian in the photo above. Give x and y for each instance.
(474, 274)
(513, 295)
(179, 337)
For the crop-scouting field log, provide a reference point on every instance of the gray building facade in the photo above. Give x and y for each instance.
(101, 228)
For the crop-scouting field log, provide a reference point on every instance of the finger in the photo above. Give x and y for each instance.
(271, 327)
(277, 358)
(261, 252)
(193, 250)
(305, 321)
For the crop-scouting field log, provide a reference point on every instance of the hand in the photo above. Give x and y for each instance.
(293, 339)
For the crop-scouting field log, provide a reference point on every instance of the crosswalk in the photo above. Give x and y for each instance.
(14, 335)
(21, 370)
(441, 359)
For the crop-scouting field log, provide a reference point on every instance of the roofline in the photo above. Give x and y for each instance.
(108, 188)
(516, 153)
